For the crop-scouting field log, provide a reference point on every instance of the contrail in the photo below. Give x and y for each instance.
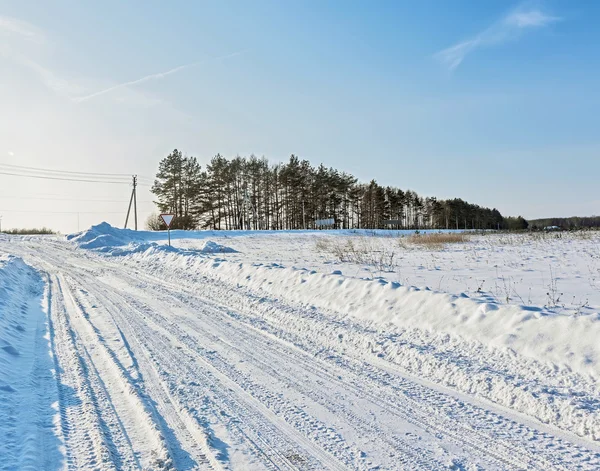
(156, 76)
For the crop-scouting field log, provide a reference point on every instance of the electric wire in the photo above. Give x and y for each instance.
(66, 175)
(58, 212)
(85, 180)
(73, 198)
(47, 177)
(21, 168)
(70, 172)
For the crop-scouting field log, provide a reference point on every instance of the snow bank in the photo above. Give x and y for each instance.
(28, 396)
(13, 271)
(113, 241)
(563, 340)
(18, 284)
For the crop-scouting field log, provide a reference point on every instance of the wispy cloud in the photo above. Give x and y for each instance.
(508, 28)
(18, 34)
(148, 78)
(15, 27)
(15, 35)
(52, 81)
(531, 18)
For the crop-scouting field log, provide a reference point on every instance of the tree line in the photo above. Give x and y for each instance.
(251, 193)
(571, 223)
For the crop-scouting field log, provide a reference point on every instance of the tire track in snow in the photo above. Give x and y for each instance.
(408, 453)
(252, 421)
(277, 459)
(140, 403)
(478, 439)
(128, 414)
(88, 442)
(174, 427)
(280, 365)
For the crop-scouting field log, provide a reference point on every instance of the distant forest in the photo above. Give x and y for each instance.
(566, 223)
(251, 193)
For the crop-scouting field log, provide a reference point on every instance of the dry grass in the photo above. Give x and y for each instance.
(539, 237)
(437, 240)
(360, 250)
(41, 231)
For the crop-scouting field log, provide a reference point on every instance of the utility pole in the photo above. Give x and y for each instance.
(133, 200)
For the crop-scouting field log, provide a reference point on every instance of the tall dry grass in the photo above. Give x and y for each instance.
(436, 240)
(361, 250)
(35, 231)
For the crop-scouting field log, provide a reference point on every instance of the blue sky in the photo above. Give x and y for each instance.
(495, 102)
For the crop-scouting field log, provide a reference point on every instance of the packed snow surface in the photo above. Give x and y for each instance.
(299, 350)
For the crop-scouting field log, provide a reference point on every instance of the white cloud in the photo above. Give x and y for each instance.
(27, 45)
(48, 77)
(15, 27)
(454, 55)
(19, 33)
(508, 28)
(532, 18)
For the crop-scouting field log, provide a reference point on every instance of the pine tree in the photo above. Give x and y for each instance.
(250, 193)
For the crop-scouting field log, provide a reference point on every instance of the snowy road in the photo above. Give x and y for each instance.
(156, 373)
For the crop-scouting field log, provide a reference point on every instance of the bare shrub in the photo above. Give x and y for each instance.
(155, 223)
(34, 231)
(322, 245)
(359, 250)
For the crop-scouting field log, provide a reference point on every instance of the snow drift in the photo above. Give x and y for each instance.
(113, 241)
(27, 393)
(103, 237)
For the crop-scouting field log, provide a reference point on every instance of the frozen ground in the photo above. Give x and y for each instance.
(266, 351)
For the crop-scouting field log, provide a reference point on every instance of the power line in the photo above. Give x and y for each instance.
(59, 212)
(60, 199)
(49, 195)
(67, 199)
(46, 177)
(49, 170)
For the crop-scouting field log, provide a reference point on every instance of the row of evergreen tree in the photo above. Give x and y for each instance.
(572, 223)
(251, 193)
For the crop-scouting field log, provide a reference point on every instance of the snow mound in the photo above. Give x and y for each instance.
(103, 237)
(212, 247)
(152, 248)
(118, 242)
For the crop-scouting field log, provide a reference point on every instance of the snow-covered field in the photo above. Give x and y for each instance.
(299, 350)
